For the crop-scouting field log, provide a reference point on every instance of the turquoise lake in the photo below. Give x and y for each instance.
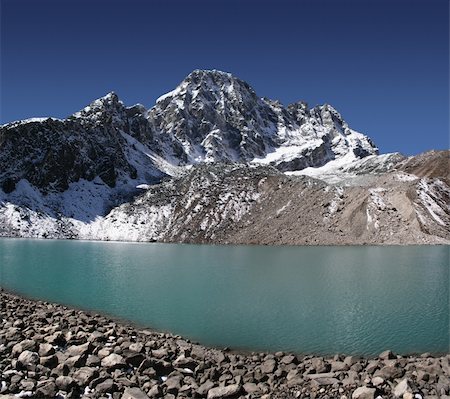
(322, 300)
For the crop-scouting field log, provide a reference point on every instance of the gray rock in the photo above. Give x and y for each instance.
(389, 373)
(339, 366)
(401, 388)
(198, 352)
(160, 353)
(386, 355)
(182, 361)
(319, 375)
(49, 361)
(173, 384)
(364, 393)
(79, 350)
(57, 338)
(93, 360)
(134, 358)
(46, 350)
(224, 392)
(155, 391)
(326, 381)
(105, 386)
(136, 347)
(377, 381)
(134, 393)
(28, 384)
(251, 388)
(103, 353)
(85, 375)
(205, 387)
(268, 366)
(76, 361)
(46, 389)
(113, 361)
(28, 359)
(288, 359)
(319, 365)
(25, 345)
(65, 382)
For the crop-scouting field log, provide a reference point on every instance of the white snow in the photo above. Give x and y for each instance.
(436, 206)
(29, 120)
(405, 177)
(285, 153)
(279, 211)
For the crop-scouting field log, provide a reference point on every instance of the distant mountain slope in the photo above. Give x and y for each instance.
(213, 162)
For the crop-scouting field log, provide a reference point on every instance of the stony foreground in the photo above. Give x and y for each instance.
(49, 350)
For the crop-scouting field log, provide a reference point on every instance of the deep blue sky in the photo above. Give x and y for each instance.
(383, 64)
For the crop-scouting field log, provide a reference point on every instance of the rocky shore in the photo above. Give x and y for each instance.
(49, 350)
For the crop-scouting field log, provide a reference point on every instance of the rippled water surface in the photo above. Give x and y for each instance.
(357, 300)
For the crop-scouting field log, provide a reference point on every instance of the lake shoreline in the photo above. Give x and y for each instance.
(47, 348)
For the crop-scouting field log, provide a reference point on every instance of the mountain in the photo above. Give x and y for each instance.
(213, 162)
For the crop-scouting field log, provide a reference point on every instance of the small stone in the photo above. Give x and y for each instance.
(113, 361)
(339, 366)
(136, 347)
(64, 382)
(49, 361)
(28, 359)
(103, 353)
(134, 393)
(46, 389)
(389, 373)
(364, 393)
(79, 350)
(205, 387)
(223, 392)
(173, 384)
(46, 350)
(401, 388)
(85, 375)
(93, 361)
(75, 361)
(25, 345)
(386, 355)
(105, 386)
(154, 392)
(408, 395)
(251, 387)
(377, 381)
(268, 366)
(134, 358)
(288, 359)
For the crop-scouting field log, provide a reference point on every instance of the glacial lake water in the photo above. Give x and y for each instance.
(353, 300)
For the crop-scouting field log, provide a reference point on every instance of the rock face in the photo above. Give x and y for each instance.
(211, 162)
(214, 117)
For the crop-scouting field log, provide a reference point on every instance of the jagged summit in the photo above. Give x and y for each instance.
(211, 116)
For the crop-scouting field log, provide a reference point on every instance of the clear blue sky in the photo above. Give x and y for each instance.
(382, 63)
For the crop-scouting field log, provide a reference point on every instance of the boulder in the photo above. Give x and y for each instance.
(65, 383)
(113, 361)
(46, 350)
(134, 393)
(28, 359)
(25, 345)
(224, 392)
(401, 388)
(79, 350)
(363, 393)
(85, 375)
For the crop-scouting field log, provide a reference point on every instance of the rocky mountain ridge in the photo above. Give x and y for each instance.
(212, 162)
